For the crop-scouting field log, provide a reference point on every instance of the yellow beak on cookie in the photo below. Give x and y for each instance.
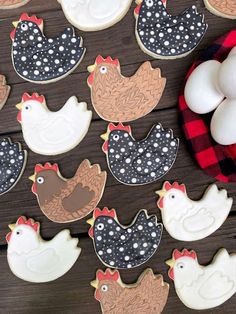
(15, 23)
(91, 68)
(94, 284)
(19, 106)
(32, 178)
(12, 226)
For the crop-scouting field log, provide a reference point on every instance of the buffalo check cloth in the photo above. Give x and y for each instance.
(216, 160)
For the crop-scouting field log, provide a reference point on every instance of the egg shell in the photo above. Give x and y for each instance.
(227, 76)
(232, 52)
(201, 93)
(223, 126)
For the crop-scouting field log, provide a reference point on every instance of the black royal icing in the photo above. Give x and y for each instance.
(166, 35)
(120, 247)
(37, 58)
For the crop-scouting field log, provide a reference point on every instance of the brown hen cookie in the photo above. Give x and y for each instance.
(222, 8)
(148, 295)
(4, 91)
(12, 4)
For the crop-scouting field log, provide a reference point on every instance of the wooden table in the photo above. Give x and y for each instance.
(72, 293)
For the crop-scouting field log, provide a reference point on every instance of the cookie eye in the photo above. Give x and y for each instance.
(172, 196)
(149, 3)
(180, 265)
(40, 180)
(24, 27)
(116, 137)
(100, 226)
(27, 107)
(103, 69)
(19, 232)
(104, 288)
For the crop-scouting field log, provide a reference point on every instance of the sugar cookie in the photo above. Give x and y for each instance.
(203, 287)
(188, 220)
(222, 8)
(52, 133)
(121, 99)
(12, 4)
(35, 260)
(65, 200)
(12, 164)
(164, 36)
(148, 295)
(121, 246)
(42, 60)
(139, 162)
(4, 91)
(94, 15)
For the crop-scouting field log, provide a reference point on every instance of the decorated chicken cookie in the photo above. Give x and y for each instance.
(148, 295)
(139, 162)
(188, 220)
(4, 91)
(120, 99)
(93, 15)
(12, 4)
(209, 87)
(52, 133)
(203, 287)
(12, 164)
(222, 8)
(65, 200)
(164, 36)
(35, 260)
(121, 246)
(39, 59)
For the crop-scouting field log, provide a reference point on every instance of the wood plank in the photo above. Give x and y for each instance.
(21, 201)
(20, 297)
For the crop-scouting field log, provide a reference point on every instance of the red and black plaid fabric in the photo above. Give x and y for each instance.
(216, 160)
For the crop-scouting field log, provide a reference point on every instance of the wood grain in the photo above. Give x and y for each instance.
(72, 293)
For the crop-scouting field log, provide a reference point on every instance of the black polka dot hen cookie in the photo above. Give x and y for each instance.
(39, 59)
(163, 36)
(139, 162)
(12, 164)
(123, 247)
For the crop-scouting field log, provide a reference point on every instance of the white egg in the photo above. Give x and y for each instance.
(223, 123)
(201, 92)
(232, 52)
(227, 77)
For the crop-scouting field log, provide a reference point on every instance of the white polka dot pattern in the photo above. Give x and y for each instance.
(168, 36)
(145, 161)
(12, 163)
(127, 247)
(39, 59)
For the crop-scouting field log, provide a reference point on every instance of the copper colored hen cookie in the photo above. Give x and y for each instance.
(148, 295)
(64, 200)
(12, 4)
(120, 99)
(223, 8)
(4, 91)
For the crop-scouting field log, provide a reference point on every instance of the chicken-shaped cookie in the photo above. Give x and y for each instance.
(94, 15)
(148, 295)
(65, 200)
(35, 260)
(123, 247)
(200, 287)
(52, 133)
(121, 99)
(12, 164)
(4, 91)
(222, 8)
(39, 59)
(163, 36)
(12, 4)
(139, 162)
(188, 220)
